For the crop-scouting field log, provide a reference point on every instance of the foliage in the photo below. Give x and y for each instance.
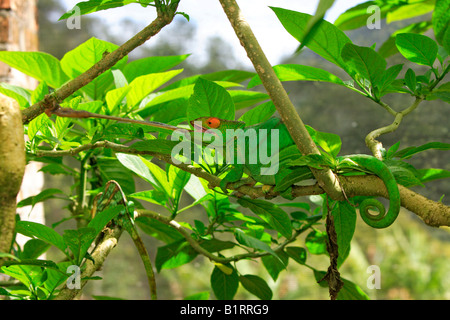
(229, 231)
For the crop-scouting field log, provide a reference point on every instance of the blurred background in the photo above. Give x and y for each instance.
(414, 259)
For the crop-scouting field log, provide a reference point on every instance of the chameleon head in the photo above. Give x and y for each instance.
(206, 123)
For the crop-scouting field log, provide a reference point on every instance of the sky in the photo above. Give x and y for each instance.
(210, 20)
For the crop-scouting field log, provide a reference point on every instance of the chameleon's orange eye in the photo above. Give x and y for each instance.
(213, 123)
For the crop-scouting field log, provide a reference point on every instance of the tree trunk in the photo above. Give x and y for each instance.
(18, 32)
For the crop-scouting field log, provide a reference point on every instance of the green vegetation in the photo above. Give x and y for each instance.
(199, 238)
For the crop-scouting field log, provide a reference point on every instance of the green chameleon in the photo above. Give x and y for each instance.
(285, 149)
(284, 177)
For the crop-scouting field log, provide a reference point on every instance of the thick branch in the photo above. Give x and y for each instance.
(433, 213)
(371, 139)
(279, 96)
(12, 167)
(108, 61)
(99, 255)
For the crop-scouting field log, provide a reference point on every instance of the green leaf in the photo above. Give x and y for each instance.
(328, 40)
(408, 11)
(243, 98)
(330, 142)
(234, 76)
(215, 245)
(83, 57)
(40, 231)
(148, 65)
(256, 285)
(389, 75)
(316, 242)
(142, 86)
(410, 151)
(441, 19)
(33, 262)
(276, 217)
(388, 48)
(42, 196)
(101, 219)
(443, 92)
(404, 173)
(22, 99)
(39, 93)
(90, 6)
(349, 291)
(105, 298)
(177, 180)
(34, 248)
(210, 99)
(224, 286)
(410, 80)
(315, 21)
(198, 296)
(38, 124)
(426, 175)
(38, 65)
(158, 176)
(297, 72)
(174, 255)
(158, 230)
(417, 48)
(115, 97)
(298, 254)
(79, 241)
(344, 223)
(155, 145)
(252, 242)
(275, 265)
(25, 274)
(284, 181)
(135, 164)
(152, 196)
(358, 15)
(258, 114)
(8, 256)
(111, 169)
(365, 62)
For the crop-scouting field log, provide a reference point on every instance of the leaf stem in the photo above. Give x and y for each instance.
(278, 94)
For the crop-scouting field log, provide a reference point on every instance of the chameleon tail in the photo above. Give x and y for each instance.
(383, 219)
(139, 244)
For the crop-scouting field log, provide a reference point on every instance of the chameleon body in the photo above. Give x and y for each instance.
(285, 143)
(360, 161)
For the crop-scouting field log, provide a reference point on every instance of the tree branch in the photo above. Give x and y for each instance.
(12, 164)
(433, 213)
(197, 246)
(326, 179)
(99, 255)
(164, 18)
(373, 144)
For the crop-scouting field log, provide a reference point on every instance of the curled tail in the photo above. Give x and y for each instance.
(383, 219)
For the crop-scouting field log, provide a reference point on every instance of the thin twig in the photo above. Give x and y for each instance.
(164, 18)
(376, 146)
